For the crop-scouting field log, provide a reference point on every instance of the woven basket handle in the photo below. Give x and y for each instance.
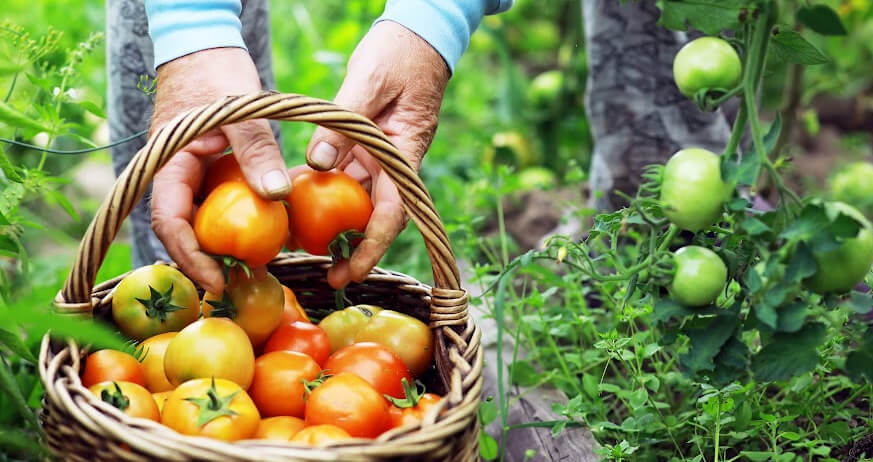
(132, 183)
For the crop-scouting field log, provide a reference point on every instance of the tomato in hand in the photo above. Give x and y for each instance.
(277, 387)
(349, 402)
(324, 205)
(210, 347)
(215, 408)
(161, 398)
(256, 303)
(234, 221)
(112, 365)
(342, 326)
(221, 170)
(302, 337)
(320, 435)
(692, 190)
(700, 276)
(706, 62)
(130, 398)
(375, 363)
(278, 428)
(154, 299)
(406, 336)
(153, 363)
(840, 269)
(293, 310)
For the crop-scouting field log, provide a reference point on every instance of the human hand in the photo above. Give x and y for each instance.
(184, 83)
(397, 80)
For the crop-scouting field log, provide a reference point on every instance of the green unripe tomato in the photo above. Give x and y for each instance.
(546, 87)
(700, 276)
(839, 270)
(692, 190)
(707, 62)
(853, 183)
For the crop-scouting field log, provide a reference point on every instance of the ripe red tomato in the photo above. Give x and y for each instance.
(293, 310)
(256, 303)
(277, 387)
(278, 428)
(221, 170)
(129, 397)
(349, 402)
(210, 347)
(215, 408)
(235, 221)
(325, 204)
(302, 337)
(320, 435)
(375, 363)
(154, 299)
(112, 365)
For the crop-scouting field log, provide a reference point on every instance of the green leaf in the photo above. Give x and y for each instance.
(740, 170)
(859, 363)
(9, 386)
(754, 226)
(708, 16)
(487, 446)
(16, 119)
(16, 441)
(666, 310)
(801, 265)
(821, 19)
(789, 45)
(8, 246)
(93, 109)
(812, 219)
(487, 411)
(791, 317)
(789, 355)
(706, 342)
(65, 203)
(758, 456)
(523, 373)
(13, 341)
(859, 302)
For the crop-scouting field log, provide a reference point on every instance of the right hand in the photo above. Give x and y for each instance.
(195, 80)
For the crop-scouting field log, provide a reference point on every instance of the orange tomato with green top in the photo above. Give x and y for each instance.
(216, 408)
(255, 303)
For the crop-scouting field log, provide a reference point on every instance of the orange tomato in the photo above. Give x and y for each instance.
(325, 204)
(216, 408)
(375, 363)
(277, 387)
(293, 310)
(255, 303)
(235, 221)
(320, 435)
(415, 414)
(278, 428)
(210, 347)
(112, 365)
(302, 337)
(221, 170)
(161, 398)
(349, 402)
(406, 336)
(153, 363)
(131, 398)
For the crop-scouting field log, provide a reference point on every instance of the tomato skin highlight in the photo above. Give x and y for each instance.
(235, 221)
(325, 204)
(407, 337)
(221, 170)
(342, 326)
(132, 316)
(692, 189)
(153, 363)
(182, 415)
(840, 269)
(349, 402)
(376, 364)
(277, 388)
(700, 276)
(293, 310)
(257, 303)
(302, 337)
(320, 435)
(112, 365)
(281, 428)
(706, 62)
(140, 402)
(210, 347)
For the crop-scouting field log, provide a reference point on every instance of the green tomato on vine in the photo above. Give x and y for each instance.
(692, 189)
(699, 278)
(840, 269)
(706, 63)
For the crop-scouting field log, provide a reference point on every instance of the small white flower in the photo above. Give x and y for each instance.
(41, 139)
(56, 91)
(73, 94)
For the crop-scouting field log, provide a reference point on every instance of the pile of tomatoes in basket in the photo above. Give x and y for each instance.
(248, 363)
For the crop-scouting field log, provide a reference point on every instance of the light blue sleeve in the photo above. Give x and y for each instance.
(179, 28)
(445, 24)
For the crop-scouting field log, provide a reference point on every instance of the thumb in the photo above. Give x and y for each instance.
(327, 149)
(259, 158)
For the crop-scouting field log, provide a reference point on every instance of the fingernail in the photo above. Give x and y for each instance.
(275, 183)
(323, 156)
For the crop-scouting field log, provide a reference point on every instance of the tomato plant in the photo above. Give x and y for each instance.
(254, 300)
(112, 365)
(278, 385)
(130, 398)
(349, 402)
(375, 363)
(210, 347)
(278, 428)
(342, 326)
(154, 299)
(216, 408)
(706, 63)
(153, 362)
(302, 337)
(322, 205)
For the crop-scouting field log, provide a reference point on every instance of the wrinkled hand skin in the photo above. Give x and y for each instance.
(397, 80)
(191, 81)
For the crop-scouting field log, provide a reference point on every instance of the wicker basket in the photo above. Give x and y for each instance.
(82, 428)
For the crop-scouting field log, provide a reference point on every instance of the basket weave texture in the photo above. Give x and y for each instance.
(80, 427)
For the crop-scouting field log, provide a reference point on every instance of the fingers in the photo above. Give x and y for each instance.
(213, 142)
(172, 210)
(259, 158)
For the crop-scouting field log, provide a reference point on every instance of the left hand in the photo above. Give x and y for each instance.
(397, 80)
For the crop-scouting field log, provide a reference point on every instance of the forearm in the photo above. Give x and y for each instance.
(181, 28)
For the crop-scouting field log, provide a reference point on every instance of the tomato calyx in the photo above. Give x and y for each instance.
(115, 398)
(223, 308)
(158, 305)
(213, 406)
(228, 263)
(412, 395)
(342, 246)
(310, 385)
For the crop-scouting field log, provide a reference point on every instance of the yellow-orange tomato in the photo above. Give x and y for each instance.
(349, 402)
(342, 326)
(415, 414)
(293, 310)
(154, 299)
(256, 303)
(221, 170)
(325, 204)
(153, 363)
(281, 428)
(277, 387)
(112, 365)
(131, 398)
(410, 338)
(210, 347)
(216, 408)
(161, 398)
(320, 435)
(235, 221)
